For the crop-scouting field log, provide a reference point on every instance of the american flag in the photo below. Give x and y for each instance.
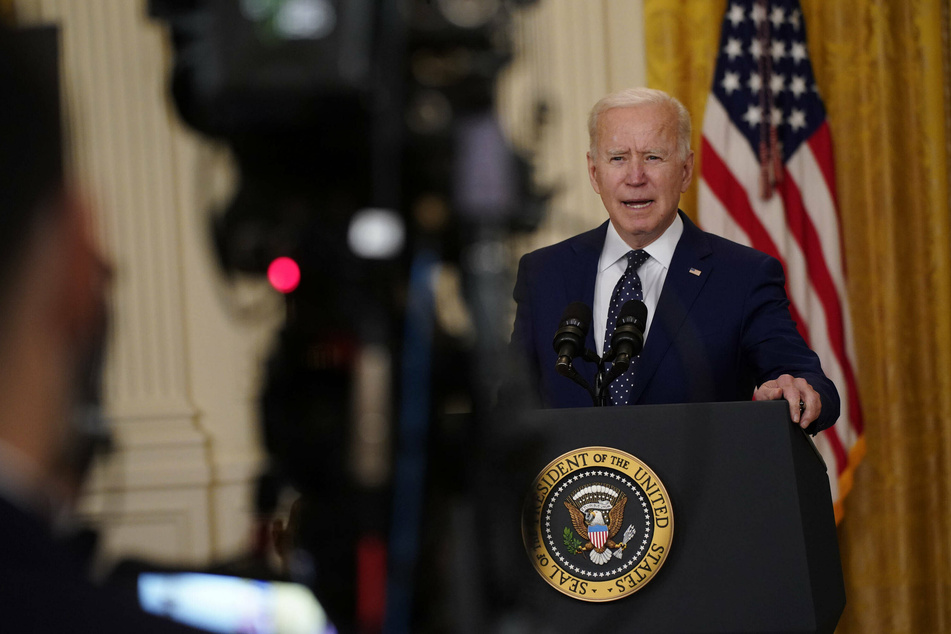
(768, 180)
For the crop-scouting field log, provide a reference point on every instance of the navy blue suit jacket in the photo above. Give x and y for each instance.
(716, 334)
(45, 588)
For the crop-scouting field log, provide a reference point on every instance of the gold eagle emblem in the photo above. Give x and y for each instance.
(597, 513)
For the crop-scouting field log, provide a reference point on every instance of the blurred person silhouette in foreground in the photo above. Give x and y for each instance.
(52, 331)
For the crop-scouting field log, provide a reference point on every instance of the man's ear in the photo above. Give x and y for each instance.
(85, 275)
(688, 172)
(593, 173)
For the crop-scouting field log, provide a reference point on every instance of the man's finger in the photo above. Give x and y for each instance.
(813, 406)
(796, 404)
(767, 392)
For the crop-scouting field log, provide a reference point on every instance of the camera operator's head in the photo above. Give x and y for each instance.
(52, 283)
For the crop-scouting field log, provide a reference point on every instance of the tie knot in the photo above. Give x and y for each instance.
(636, 258)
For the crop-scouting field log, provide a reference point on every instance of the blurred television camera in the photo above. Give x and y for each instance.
(369, 154)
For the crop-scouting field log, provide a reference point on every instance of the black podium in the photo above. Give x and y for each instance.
(754, 547)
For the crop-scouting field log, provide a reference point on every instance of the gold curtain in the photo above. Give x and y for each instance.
(7, 13)
(882, 69)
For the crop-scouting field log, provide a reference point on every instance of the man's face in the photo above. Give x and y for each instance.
(637, 171)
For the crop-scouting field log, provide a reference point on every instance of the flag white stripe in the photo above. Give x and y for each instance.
(716, 219)
(736, 154)
(819, 205)
(802, 294)
(818, 284)
(805, 172)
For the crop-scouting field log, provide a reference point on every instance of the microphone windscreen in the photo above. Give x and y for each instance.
(580, 314)
(636, 309)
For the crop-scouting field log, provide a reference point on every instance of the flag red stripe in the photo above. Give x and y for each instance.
(803, 219)
(804, 231)
(800, 226)
(821, 144)
(736, 200)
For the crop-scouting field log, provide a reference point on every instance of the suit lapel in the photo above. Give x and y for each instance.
(583, 270)
(689, 270)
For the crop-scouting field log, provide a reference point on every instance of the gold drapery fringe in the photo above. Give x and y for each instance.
(882, 69)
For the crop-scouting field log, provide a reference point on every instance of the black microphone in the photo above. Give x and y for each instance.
(628, 338)
(570, 337)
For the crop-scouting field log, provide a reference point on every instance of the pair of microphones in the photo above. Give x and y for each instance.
(627, 341)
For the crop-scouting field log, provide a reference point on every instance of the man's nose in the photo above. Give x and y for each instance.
(636, 174)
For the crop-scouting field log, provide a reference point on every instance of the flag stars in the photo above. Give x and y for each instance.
(777, 83)
(753, 116)
(777, 17)
(777, 50)
(736, 15)
(733, 48)
(756, 49)
(756, 82)
(776, 117)
(797, 120)
(758, 14)
(798, 52)
(798, 86)
(795, 18)
(731, 82)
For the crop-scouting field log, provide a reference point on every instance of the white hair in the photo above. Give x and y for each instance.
(633, 98)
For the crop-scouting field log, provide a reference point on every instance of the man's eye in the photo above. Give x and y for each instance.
(616, 159)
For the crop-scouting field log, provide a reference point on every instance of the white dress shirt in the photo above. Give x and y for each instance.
(652, 273)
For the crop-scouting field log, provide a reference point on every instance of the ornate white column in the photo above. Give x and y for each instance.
(570, 54)
(182, 371)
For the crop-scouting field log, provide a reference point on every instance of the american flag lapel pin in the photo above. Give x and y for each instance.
(694, 271)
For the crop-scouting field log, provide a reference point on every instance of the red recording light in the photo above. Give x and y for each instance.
(283, 274)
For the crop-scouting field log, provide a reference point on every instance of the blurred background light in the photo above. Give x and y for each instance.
(376, 234)
(284, 274)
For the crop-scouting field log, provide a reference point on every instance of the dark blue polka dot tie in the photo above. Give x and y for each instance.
(627, 288)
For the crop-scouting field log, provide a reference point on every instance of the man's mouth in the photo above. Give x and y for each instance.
(637, 204)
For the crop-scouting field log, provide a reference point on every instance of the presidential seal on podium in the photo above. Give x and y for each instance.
(597, 524)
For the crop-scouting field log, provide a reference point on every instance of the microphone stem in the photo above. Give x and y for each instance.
(601, 386)
(569, 371)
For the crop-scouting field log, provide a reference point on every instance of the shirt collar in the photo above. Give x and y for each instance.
(661, 249)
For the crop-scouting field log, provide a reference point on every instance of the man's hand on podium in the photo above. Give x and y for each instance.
(804, 401)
